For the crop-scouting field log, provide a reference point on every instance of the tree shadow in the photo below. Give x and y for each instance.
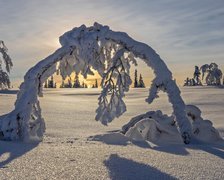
(111, 138)
(116, 138)
(11, 150)
(8, 91)
(122, 168)
(217, 149)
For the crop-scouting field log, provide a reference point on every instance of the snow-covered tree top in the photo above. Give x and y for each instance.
(6, 58)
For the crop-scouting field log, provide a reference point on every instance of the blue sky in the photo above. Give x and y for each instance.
(184, 33)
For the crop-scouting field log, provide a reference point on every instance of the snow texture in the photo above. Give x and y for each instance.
(108, 52)
(74, 147)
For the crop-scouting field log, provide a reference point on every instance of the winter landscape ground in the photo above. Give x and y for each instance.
(75, 146)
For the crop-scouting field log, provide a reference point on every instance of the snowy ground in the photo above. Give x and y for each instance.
(77, 147)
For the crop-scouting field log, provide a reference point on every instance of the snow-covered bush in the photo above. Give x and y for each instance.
(159, 128)
(202, 129)
(213, 74)
(108, 52)
(4, 77)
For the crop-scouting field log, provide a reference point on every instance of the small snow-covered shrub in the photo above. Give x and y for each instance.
(202, 129)
(153, 126)
(156, 127)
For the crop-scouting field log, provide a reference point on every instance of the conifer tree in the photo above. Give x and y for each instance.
(76, 81)
(62, 84)
(45, 84)
(96, 84)
(4, 76)
(136, 79)
(141, 82)
(197, 74)
(51, 82)
(70, 82)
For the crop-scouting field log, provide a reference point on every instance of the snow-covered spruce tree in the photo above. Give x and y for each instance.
(108, 52)
(4, 76)
(213, 74)
(197, 74)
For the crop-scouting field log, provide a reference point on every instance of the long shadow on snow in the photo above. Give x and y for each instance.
(9, 91)
(11, 150)
(122, 168)
(216, 149)
(116, 138)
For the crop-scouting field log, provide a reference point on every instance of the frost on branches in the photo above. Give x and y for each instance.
(108, 52)
(4, 77)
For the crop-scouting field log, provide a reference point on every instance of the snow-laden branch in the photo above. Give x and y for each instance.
(115, 82)
(110, 54)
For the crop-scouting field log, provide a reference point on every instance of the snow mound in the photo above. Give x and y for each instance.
(202, 129)
(160, 128)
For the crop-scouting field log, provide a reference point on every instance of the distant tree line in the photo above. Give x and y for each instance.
(210, 73)
(50, 83)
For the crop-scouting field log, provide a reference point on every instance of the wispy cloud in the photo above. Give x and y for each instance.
(183, 32)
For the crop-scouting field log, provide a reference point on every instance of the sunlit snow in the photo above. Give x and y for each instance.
(75, 146)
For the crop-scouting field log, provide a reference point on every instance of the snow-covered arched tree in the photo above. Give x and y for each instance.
(108, 52)
(4, 77)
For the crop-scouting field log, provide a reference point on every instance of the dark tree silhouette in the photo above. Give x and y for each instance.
(197, 74)
(4, 76)
(51, 83)
(141, 83)
(96, 84)
(136, 79)
(76, 81)
(62, 84)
